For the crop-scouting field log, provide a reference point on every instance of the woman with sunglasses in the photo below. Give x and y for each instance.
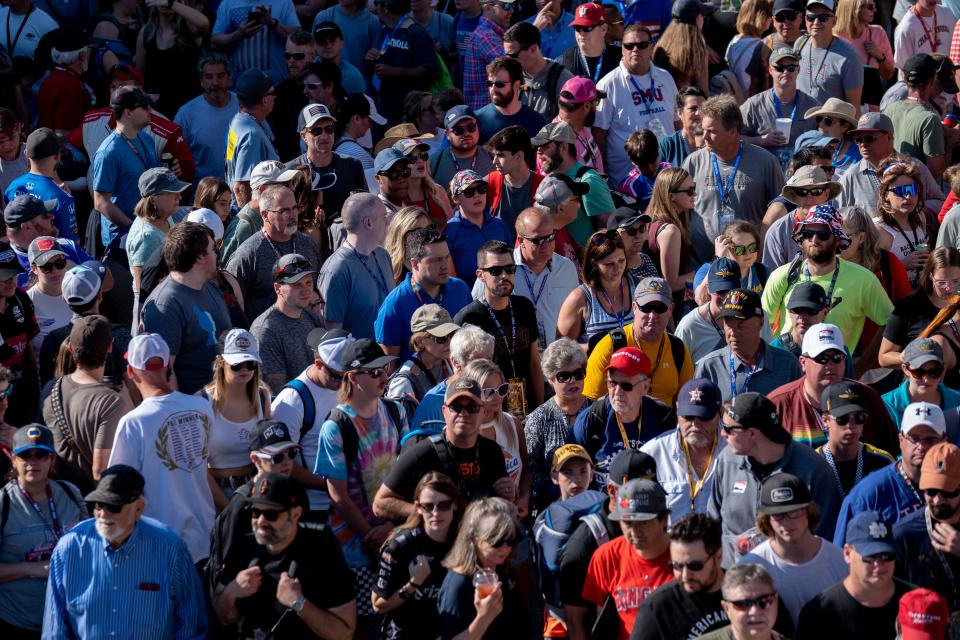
(668, 237)
(423, 192)
(48, 264)
(432, 331)
(855, 26)
(602, 302)
(901, 219)
(37, 512)
(239, 400)
(411, 561)
(479, 597)
(833, 119)
(546, 428)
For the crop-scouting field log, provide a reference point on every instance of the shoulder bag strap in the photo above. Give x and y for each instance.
(60, 418)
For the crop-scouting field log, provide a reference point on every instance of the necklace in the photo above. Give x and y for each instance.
(833, 466)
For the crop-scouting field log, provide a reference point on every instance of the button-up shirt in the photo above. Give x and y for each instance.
(144, 589)
(674, 473)
(775, 367)
(485, 44)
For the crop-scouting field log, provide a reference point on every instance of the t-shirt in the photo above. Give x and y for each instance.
(264, 49)
(513, 200)
(44, 188)
(558, 38)
(145, 250)
(916, 34)
(247, 145)
(456, 610)
(205, 130)
(350, 77)
(18, 327)
(165, 438)
(359, 31)
(247, 222)
(190, 321)
(51, 311)
(464, 239)
(444, 165)
(910, 316)
(597, 202)
(618, 570)
(760, 113)
(349, 178)
(830, 72)
(672, 613)
(22, 39)
(491, 121)
(463, 27)
(353, 286)
(117, 166)
(10, 170)
(283, 345)
(835, 614)
(62, 100)
(884, 491)
(417, 617)
(408, 45)
(918, 131)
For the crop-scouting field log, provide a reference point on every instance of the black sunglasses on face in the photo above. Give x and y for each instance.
(373, 373)
(630, 46)
(654, 307)
(462, 129)
(579, 28)
(819, 17)
(633, 231)
(516, 54)
(859, 417)
(328, 129)
(539, 241)
(441, 339)
(929, 372)
(868, 139)
(497, 271)
(692, 191)
(499, 544)
(820, 234)
(499, 84)
(886, 556)
(805, 312)
(827, 120)
(34, 454)
(419, 155)
(732, 428)
(57, 264)
(836, 357)
(626, 386)
(469, 192)
(441, 506)
(460, 407)
(803, 192)
(567, 376)
(249, 365)
(277, 458)
(786, 68)
(760, 602)
(397, 174)
(933, 493)
(112, 508)
(696, 565)
(295, 55)
(270, 515)
(786, 16)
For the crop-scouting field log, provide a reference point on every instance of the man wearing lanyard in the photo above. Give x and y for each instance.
(640, 95)
(746, 363)
(830, 67)
(591, 56)
(625, 418)
(894, 491)
(462, 148)
(926, 28)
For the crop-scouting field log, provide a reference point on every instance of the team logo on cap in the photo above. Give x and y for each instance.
(848, 394)
(825, 335)
(242, 342)
(782, 494)
(723, 274)
(877, 530)
(923, 411)
(277, 430)
(696, 395)
(317, 109)
(653, 286)
(925, 346)
(34, 433)
(581, 11)
(45, 244)
(922, 618)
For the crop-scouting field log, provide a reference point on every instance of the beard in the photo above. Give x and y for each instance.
(503, 99)
(822, 255)
(942, 511)
(272, 534)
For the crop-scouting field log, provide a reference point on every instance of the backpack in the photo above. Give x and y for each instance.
(620, 199)
(351, 440)
(553, 528)
(550, 87)
(619, 338)
(727, 82)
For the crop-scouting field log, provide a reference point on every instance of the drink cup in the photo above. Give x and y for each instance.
(783, 126)
(484, 582)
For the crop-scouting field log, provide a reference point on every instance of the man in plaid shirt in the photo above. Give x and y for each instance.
(483, 46)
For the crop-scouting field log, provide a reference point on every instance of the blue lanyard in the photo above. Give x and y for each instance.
(833, 281)
(636, 87)
(389, 36)
(586, 65)
(378, 278)
(777, 105)
(535, 296)
(747, 377)
(724, 187)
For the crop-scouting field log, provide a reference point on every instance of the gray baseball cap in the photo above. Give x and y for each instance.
(639, 500)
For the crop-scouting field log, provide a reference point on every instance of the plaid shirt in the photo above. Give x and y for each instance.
(484, 44)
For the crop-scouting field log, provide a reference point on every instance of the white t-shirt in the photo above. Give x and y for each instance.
(505, 430)
(52, 313)
(166, 439)
(39, 23)
(288, 409)
(914, 33)
(633, 103)
(901, 244)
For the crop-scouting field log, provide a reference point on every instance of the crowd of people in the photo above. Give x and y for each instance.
(480, 319)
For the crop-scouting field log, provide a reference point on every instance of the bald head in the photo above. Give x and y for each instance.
(532, 218)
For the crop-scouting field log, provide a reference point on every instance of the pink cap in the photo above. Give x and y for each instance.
(578, 90)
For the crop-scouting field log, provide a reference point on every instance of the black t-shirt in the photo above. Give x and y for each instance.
(350, 178)
(575, 558)
(290, 101)
(847, 469)
(476, 470)
(407, 45)
(834, 613)
(517, 365)
(18, 326)
(910, 316)
(417, 617)
(326, 580)
(456, 610)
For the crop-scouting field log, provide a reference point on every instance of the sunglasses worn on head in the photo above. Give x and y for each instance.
(567, 376)
(933, 493)
(489, 393)
(497, 271)
(818, 17)
(277, 458)
(740, 249)
(885, 556)
(397, 174)
(786, 68)
(441, 506)
(270, 515)
(295, 55)
(469, 192)
(927, 372)
(803, 192)
(249, 365)
(460, 407)
(760, 602)
(470, 127)
(654, 307)
(630, 46)
(867, 139)
(499, 84)
(905, 190)
(786, 16)
(59, 265)
(820, 234)
(539, 241)
(836, 357)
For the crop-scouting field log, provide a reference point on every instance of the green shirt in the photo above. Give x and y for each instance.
(917, 129)
(596, 202)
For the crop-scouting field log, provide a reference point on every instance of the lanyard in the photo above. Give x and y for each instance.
(526, 278)
(833, 280)
(713, 320)
(833, 465)
(656, 363)
(56, 529)
(586, 65)
(293, 244)
(509, 344)
(836, 154)
(916, 237)
(389, 36)
(746, 380)
(416, 291)
(777, 105)
(909, 483)
(623, 431)
(11, 45)
(621, 316)
(378, 278)
(816, 412)
(932, 40)
(142, 158)
(696, 486)
(822, 61)
(456, 163)
(943, 560)
(724, 187)
(636, 87)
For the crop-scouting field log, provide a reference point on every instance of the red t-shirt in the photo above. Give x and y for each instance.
(62, 100)
(617, 569)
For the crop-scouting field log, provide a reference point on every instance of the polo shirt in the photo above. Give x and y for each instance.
(465, 237)
(776, 367)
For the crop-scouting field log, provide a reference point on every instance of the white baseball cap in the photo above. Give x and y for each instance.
(923, 414)
(270, 171)
(822, 337)
(239, 345)
(145, 347)
(209, 219)
(329, 346)
(80, 285)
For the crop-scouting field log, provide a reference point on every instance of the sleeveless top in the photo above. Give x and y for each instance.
(126, 33)
(163, 73)
(510, 445)
(598, 320)
(229, 440)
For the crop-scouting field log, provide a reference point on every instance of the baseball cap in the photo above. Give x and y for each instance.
(639, 500)
(270, 171)
(279, 491)
(25, 208)
(387, 158)
(129, 97)
(945, 73)
(314, 113)
(652, 290)
(32, 436)
(782, 493)
(868, 534)
(921, 351)
(127, 73)
(69, 39)
(830, 5)
(578, 90)
(43, 249)
(91, 335)
(787, 5)
(408, 145)
(239, 345)
(589, 14)
(755, 411)
(556, 189)
(326, 30)
(463, 180)
(700, 398)
(292, 268)
(821, 337)
(9, 264)
(686, 11)
(456, 114)
(923, 615)
(159, 180)
(365, 354)
(923, 414)
(80, 285)
(920, 68)
(209, 219)
(630, 361)
(42, 143)
(119, 485)
(784, 52)
(742, 304)
(433, 319)
(631, 464)
(567, 452)
(145, 347)
(625, 217)
(466, 387)
(841, 398)
(808, 295)
(252, 86)
(724, 275)
(329, 345)
(872, 122)
(941, 468)
(554, 132)
(270, 437)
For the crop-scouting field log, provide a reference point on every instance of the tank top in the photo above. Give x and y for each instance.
(503, 429)
(163, 73)
(598, 319)
(229, 440)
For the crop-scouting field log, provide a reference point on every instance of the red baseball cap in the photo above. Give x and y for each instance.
(923, 615)
(589, 14)
(630, 361)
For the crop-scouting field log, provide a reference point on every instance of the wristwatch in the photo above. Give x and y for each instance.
(298, 604)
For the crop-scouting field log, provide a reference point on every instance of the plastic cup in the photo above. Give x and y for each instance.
(484, 581)
(783, 126)
(922, 246)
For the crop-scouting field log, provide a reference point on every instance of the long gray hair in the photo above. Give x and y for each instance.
(489, 519)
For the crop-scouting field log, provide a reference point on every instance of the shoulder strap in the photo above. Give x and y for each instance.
(5, 510)
(595, 525)
(678, 351)
(582, 171)
(309, 408)
(338, 143)
(793, 274)
(393, 409)
(446, 457)
(67, 489)
(553, 77)
(60, 418)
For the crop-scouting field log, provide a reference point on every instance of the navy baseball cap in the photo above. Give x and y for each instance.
(32, 436)
(700, 398)
(387, 158)
(456, 114)
(724, 275)
(869, 534)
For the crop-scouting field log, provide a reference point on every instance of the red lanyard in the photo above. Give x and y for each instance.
(931, 40)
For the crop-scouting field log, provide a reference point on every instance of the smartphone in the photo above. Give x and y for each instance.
(255, 15)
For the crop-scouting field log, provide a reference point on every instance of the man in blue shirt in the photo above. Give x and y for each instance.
(472, 225)
(122, 566)
(43, 152)
(329, 39)
(429, 282)
(360, 27)
(255, 32)
(504, 78)
(556, 34)
(248, 140)
(28, 218)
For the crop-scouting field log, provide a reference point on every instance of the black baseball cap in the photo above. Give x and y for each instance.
(119, 485)
(631, 464)
(782, 493)
(130, 97)
(9, 264)
(920, 68)
(742, 304)
(270, 437)
(625, 217)
(279, 491)
(843, 397)
(327, 29)
(756, 411)
(365, 354)
(25, 208)
(808, 295)
(291, 268)
(43, 143)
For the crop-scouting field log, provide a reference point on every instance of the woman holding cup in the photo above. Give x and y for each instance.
(900, 218)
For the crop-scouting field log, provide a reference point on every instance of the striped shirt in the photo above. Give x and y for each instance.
(146, 589)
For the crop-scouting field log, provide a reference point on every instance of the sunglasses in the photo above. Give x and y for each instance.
(516, 54)
(905, 190)
(929, 372)
(436, 507)
(335, 376)
(34, 454)
(50, 266)
(858, 417)
(506, 6)
(633, 231)
(584, 29)
(469, 192)
(499, 84)
(373, 373)
(6, 392)
(789, 515)
(786, 16)
(626, 386)
(270, 515)
(696, 565)
(509, 541)
(328, 129)
(112, 508)
(692, 191)
(933, 493)
(419, 155)
(567, 376)
(886, 556)
(313, 86)
(740, 249)
(296, 55)
(732, 428)
(823, 18)
(249, 365)
(630, 46)
(819, 234)
(827, 120)
(760, 602)
(489, 393)
(441, 339)
(277, 458)
(465, 128)
(836, 358)
(803, 192)
(397, 174)
(498, 271)
(786, 68)
(865, 139)
(539, 241)
(460, 407)
(654, 307)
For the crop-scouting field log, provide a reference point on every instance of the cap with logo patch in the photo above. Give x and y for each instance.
(741, 304)
(463, 387)
(278, 491)
(923, 414)
(568, 452)
(782, 493)
(724, 275)
(869, 534)
(43, 249)
(652, 290)
(32, 436)
(638, 501)
(630, 361)
(842, 398)
(588, 14)
(9, 265)
(923, 615)
(456, 114)
(314, 113)
(631, 464)
(239, 345)
(433, 319)
(699, 398)
(822, 337)
(941, 468)
(270, 437)
(921, 351)
(755, 411)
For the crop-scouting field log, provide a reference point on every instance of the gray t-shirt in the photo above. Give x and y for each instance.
(830, 72)
(779, 247)
(252, 265)
(949, 235)
(513, 200)
(536, 95)
(760, 115)
(443, 166)
(283, 345)
(190, 321)
(353, 287)
(758, 181)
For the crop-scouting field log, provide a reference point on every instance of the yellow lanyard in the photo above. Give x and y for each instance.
(696, 486)
(623, 432)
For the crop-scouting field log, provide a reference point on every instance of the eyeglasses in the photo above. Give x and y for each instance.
(947, 284)
(441, 339)
(463, 129)
(885, 556)
(836, 357)
(786, 16)
(905, 190)
(249, 365)
(819, 234)
(827, 120)
(396, 174)
(926, 442)
(441, 506)
(865, 139)
(460, 407)
(6, 392)
(294, 209)
(653, 307)
(695, 565)
(789, 515)
(626, 386)
(819, 17)
(731, 428)
(633, 231)
(489, 393)
(740, 249)
(469, 192)
(786, 68)
(498, 271)
(34, 454)
(270, 515)
(277, 458)
(579, 28)
(567, 376)
(50, 266)
(760, 602)
(313, 86)
(328, 129)
(630, 46)
(692, 191)
(858, 417)
(933, 493)
(295, 55)
(499, 84)
(928, 372)
(112, 508)
(803, 192)
(539, 241)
